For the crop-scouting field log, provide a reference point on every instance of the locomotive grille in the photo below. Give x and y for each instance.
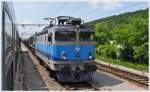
(90, 67)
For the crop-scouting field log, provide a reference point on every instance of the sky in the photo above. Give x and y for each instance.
(88, 10)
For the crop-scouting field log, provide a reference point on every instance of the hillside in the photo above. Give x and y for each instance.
(123, 37)
(121, 17)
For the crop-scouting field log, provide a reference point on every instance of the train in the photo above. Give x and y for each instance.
(67, 48)
(11, 47)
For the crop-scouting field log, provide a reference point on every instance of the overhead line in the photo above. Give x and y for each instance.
(52, 10)
(105, 13)
(32, 24)
(124, 7)
(61, 7)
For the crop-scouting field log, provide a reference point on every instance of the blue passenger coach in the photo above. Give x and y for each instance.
(68, 49)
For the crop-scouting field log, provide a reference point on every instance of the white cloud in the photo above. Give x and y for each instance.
(105, 4)
(110, 4)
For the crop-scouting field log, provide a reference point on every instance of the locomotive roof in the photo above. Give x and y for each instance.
(67, 27)
(72, 28)
(69, 20)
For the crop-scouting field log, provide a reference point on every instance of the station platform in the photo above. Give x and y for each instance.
(31, 77)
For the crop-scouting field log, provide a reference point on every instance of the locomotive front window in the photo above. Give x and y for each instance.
(87, 36)
(65, 36)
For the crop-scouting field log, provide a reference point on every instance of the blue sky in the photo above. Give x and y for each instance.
(34, 12)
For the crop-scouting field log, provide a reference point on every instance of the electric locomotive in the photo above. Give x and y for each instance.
(68, 49)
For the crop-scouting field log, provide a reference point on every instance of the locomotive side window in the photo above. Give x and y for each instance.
(87, 36)
(65, 36)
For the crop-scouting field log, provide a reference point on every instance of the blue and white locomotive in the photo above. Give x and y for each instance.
(68, 49)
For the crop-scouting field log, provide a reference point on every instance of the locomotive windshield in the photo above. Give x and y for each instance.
(87, 36)
(65, 36)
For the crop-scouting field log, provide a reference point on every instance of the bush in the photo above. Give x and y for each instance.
(141, 53)
(107, 50)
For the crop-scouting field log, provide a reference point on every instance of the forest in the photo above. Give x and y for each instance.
(123, 37)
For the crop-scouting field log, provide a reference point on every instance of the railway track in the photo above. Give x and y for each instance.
(60, 85)
(142, 80)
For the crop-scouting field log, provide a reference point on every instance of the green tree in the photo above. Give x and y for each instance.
(107, 50)
(141, 53)
(103, 34)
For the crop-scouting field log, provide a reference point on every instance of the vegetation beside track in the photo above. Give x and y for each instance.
(128, 64)
(123, 39)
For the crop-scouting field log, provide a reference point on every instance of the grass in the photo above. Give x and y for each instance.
(140, 67)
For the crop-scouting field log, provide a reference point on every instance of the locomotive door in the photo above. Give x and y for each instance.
(49, 45)
(77, 48)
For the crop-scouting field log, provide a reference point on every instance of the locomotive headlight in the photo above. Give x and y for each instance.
(90, 55)
(64, 55)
